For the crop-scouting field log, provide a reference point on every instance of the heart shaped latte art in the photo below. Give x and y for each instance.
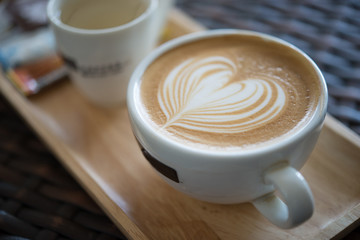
(202, 94)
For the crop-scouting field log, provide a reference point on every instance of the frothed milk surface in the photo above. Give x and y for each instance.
(231, 92)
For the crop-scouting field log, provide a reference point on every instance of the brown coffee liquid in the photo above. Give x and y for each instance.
(230, 92)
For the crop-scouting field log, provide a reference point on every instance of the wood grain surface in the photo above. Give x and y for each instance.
(98, 148)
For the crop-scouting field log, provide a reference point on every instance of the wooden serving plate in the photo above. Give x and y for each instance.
(98, 148)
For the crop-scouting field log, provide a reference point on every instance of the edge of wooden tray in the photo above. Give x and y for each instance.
(128, 228)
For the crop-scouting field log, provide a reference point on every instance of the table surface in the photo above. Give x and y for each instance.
(39, 199)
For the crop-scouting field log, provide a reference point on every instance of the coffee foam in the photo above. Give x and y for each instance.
(229, 92)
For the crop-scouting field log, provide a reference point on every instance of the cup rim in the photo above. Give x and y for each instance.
(53, 16)
(316, 120)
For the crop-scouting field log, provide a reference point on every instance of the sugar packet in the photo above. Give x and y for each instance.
(29, 60)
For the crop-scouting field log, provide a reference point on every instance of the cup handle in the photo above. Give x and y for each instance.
(297, 205)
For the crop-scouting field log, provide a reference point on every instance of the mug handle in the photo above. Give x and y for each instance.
(297, 205)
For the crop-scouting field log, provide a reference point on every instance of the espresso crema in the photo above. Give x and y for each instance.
(231, 92)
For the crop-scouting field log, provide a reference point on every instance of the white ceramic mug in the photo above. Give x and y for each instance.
(253, 175)
(101, 61)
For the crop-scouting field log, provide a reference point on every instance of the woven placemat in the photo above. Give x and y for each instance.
(38, 198)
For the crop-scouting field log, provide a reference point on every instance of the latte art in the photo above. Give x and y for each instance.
(202, 94)
(233, 92)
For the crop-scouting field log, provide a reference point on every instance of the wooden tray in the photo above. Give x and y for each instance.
(98, 148)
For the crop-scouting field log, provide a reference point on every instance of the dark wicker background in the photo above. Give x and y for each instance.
(38, 198)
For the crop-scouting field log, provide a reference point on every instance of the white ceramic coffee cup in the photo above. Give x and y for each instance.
(251, 175)
(101, 61)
